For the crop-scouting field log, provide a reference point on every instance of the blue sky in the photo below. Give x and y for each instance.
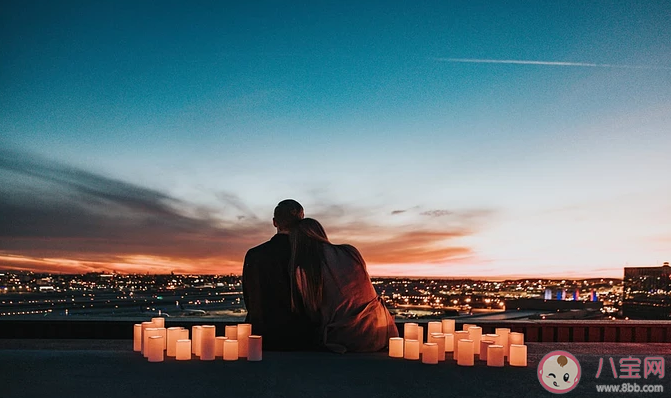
(207, 114)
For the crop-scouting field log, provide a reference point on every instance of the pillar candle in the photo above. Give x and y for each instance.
(449, 342)
(148, 332)
(396, 347)
(518, 355)
(411, 350)
(155, 349)
(430, 353)
(230, 350)
(434, 327)
(410, 331)
(475, 334)
(493, 337)
(458, 335)
(254, 348)
(137, 337)
(439, 339)
(207, 335)
(467, 325)
(183, 349)
(516, 338)
(484, 344)
(448, 325)
(231, 332)
(183, 335)
(503, 332)
(172, 335)
(145, 325)
(466, 353)
(244, 331)
(219, 346)
(195, 339)
(162, 332)
(495, 355)
(158, 322)
(420, 337)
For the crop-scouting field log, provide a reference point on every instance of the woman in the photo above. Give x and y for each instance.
(331, 284)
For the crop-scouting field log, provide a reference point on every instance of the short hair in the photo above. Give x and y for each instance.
(287, 214)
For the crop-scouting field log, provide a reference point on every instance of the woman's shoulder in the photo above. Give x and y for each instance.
(350, 250)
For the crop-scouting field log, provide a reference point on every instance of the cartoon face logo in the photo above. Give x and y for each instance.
(559, 372)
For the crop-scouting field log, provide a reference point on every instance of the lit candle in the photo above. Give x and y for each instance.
(518, 355)
(137, 337)
(439, 339)
(411, 350)
(155, 349)
(195, 339)
(244, 331)
(207, 335)
(503, 332)
(172, 335)
(466, 353)
(219, 345)
(396, 347)
(448, 325)
(145, 325)
(475, 334)
(254, 348)
(516, 338)
(434, 327)
(420, 337)
(230, 350)
(467, 325)
(484, 344)
(148, 332)
(183, 349)
(410, 331)
(183, 335)
(495, 355)
(158, 322)
(231, 332)
(162, 332)
(449, 342)
(430, 353)
(458, 335)
(493, 337)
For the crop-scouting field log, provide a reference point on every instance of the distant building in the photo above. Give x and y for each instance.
(647, 292)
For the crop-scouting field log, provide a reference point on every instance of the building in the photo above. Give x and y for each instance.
(647, 292)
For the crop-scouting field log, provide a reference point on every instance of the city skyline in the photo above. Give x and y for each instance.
(446, 139)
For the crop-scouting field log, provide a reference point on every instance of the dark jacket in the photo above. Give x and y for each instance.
(267, 294)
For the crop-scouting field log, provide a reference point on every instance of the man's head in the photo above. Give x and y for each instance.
(287, 213)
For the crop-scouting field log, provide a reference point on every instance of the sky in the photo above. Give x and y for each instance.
(441, 138)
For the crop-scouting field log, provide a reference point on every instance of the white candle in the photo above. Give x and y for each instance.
(410, 331)
(503, 332)
(183, 349)
(195, 339)
(516, 338)
(449, 342)
(396, 347)
(458, 335)
(475, 334)
(430, 353)
(434, 327)
(244, 331)
(493, 337)
(148, 332)
(518, 355)
(155, 349)
(420, 337)
(495, 355)
(467, 325)
(207, 335)
(466, 353)
(137, 337)
(219, 345)
(484, 344)
(255, 348)
(172, 336)
(158, 322)
(230, 350)
(448, 325)
(231, 332)
(145, 325)
(411, 350)
(439, 339)
(162, 332)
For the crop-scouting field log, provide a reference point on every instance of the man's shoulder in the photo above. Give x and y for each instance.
(266, 248)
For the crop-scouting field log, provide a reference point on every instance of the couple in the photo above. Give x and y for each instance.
(303, 292)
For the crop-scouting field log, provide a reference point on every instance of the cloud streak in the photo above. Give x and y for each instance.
(549, 63)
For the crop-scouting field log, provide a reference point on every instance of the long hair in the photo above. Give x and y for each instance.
(307, 262)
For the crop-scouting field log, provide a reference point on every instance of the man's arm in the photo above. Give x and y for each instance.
(251, 289)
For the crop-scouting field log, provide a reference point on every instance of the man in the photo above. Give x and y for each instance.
(267, 287)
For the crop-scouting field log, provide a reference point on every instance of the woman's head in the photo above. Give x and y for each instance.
(308, 229)
(307, 260)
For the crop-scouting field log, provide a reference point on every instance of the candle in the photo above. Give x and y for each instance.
(484, 344)
(195, 340)
(207, 335)
(183, 335)
(420, 337)
(410, 331)
(466, 352)
(458, 335)
(145, 325)
(396, 347)
(172, 336)
(183, 349)
(148, 332)
(162, 333)
(495, 355)
(430, 353)
(411, 350)
(158, 322)
(434, 327)
(439, 339)
(516, 338)
(503, 332)
(448, 325)
(449, 342)
(475, 334)
(244, 331)
(219, 345)
(467, 325)
(230, 350)
(137, 337)
(231, 332)
(155, 348)
(518, 355)
(255, 348)
(493, 337)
